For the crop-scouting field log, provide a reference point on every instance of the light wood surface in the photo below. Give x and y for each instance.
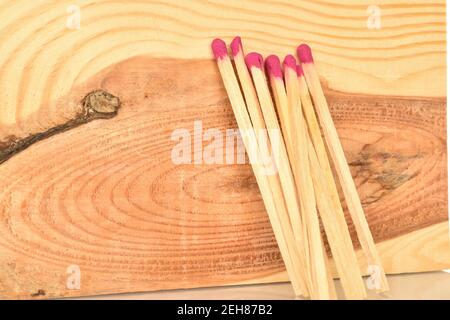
(104, 196)
(429, 286)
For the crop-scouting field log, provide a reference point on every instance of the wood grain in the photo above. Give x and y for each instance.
(105, 195)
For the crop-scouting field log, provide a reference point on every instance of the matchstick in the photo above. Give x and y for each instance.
(337, 234)
(293, 94)
(296, 140)
(256, 116)
(285, 239)
(254, 63)
(319, 146)
(321, 153)
(331, 213)
(335, 225)
(343, 171)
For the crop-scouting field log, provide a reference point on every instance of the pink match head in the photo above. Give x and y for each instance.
(219, 48)
(289, 62)
(254, 59)
(273, 66)
(304, 53)
(236, 46)
(299, 70)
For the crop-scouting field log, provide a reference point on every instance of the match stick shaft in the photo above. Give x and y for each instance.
(296, 139)
(337, 234)
(331, 212)
(257, 119)
(279, 148)
(343, 171)
(284, 238)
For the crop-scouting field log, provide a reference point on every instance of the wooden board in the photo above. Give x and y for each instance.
(105, 195)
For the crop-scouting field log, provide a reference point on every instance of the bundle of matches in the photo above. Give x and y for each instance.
(274, 111)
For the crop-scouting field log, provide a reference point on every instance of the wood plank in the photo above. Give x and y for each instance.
(105, 195)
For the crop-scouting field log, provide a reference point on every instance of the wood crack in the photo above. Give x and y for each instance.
(98, 104)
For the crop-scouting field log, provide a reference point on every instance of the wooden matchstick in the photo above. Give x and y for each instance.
(296, 140)
(337, 234)
(331, 213)
(321, 152)
(256, 116)
(335, 225)
(322, 158)
(295, 110)
(343, 171)
(284, 238)
(254, 63)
